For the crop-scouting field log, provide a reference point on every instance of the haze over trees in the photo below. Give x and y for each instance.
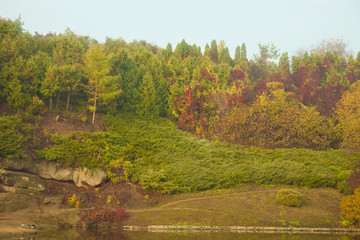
(270, 100)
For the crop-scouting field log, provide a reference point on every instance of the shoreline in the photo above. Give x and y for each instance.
(240, 229)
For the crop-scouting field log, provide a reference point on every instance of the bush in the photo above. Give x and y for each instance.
(289, 197)
(99, 217)
(11, 137)
(350, 207)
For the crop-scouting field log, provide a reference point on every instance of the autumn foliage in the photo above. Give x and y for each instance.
(253, 101)
(350, 207)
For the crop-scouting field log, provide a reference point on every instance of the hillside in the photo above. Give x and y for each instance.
(155, 154)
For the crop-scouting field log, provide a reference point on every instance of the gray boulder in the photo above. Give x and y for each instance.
(51, 170)
(92, 178)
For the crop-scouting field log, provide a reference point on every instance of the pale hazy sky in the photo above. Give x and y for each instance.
(289, 24)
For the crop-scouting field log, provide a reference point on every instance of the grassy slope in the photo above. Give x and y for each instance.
(171, 161)
(245, 205)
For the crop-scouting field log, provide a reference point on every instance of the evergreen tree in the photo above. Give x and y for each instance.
(101, 86)
(147, 106)
(284, 64)
(207, 50)
(168, 51)
(214, 51)
(243, 54)
(225, 56)
(295, 61)
(237, 52)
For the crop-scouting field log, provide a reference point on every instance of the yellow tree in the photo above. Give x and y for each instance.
(348, 115)
(101, 87)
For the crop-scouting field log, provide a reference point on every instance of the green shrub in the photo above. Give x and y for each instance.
(11, 137)
(289, 197)
(167, 159)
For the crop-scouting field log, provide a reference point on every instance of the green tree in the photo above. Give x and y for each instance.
(72, 62)
(284, 64)
(101, 86)
(168, 51)
(225, 56)
(237, 52)
(207, 50)
(267, 52)
(214, 51)
(147, 106)
(243, 54)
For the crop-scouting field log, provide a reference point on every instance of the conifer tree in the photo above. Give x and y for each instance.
(243, 53)
(214, 51)
(147, 105)
(207, 50)
(237, 52)
(284, 64)
(101, 86)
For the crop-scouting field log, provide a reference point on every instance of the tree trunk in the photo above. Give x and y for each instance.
(68, 100)
(57, 101)
(93, 119)
(50, 103)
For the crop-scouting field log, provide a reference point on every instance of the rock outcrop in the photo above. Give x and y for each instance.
(25, 164)
(20, 182)
(80, 176)
(19, 174)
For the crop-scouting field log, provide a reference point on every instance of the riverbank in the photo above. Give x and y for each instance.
(247, 207)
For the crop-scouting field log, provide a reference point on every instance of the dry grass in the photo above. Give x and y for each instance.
(257, 207)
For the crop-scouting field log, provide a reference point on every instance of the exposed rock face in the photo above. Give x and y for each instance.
(80, 176)
(19, 173)
(26, 164)
(21, 182)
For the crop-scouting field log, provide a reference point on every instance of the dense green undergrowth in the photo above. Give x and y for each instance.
(161, 157)
(12, 137)
(169, 160)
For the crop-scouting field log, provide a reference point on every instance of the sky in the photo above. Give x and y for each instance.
(290, 25)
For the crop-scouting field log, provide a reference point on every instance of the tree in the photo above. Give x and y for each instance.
(168, 51)
(333, 45)
(348, 115)
(147, 106)
(214, 51)
(237, 52)
(221, 47)
(225, 56)
(276, 120)
(284, 64)
(207, 50)
(50, 85)
(243, 52)
(101, 86)
(267, 51)
(73, 51)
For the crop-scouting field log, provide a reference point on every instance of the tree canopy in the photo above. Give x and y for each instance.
(306, 100)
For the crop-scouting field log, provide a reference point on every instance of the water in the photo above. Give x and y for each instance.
(127, 235)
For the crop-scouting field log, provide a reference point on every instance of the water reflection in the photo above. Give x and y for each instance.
(127, 235)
